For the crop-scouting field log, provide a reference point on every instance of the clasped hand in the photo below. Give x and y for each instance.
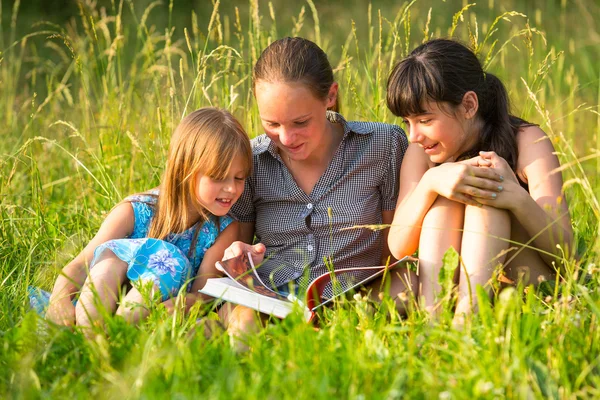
(485, 179)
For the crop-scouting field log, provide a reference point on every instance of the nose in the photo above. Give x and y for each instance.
(414, 135)
(229, 186)
(286, 136)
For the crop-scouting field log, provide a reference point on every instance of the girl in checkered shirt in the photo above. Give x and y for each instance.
(474, 177)
(316, 175)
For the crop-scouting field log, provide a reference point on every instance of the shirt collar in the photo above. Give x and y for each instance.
(264, 143)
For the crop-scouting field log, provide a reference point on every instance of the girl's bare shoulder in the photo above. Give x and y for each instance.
(533, 145)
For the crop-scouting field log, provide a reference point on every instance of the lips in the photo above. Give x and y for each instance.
(224, 202)
(294, 149)
(430, 148)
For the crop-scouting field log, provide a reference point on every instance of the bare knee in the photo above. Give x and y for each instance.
(487, 219)
(444, 212)
(242, 320)
(82, 316)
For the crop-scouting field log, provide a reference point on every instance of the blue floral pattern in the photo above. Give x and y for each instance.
(166, 263)
(169, 263)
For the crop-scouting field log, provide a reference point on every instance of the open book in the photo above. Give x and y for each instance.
(243, 285)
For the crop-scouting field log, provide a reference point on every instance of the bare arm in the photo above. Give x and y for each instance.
(387, 216)
(118, 224)
(543, 212)
(545, 187)
(420, 185)
(207, 268)
(246, 232)
(414, 199)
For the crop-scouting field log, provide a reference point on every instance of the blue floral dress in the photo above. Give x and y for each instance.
(168, 263)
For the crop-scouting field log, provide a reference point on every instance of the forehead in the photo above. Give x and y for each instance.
(285, 100)
(432, 107)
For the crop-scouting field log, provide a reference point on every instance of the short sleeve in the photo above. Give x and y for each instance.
(224, 222)
(243, 210)
(143, 210)
(398, 144)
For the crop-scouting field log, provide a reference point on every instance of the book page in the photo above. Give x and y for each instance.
(241, 270)
(328, 286)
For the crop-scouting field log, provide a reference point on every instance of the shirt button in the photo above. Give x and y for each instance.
(309, 206)
(309, 248)
(309, 236)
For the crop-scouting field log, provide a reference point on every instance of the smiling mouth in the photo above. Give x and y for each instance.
(293, 148)
(429, 147)
(224, 202)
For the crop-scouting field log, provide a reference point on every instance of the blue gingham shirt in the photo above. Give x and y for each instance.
(300, 230)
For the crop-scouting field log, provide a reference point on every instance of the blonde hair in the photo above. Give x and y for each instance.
(206, 142)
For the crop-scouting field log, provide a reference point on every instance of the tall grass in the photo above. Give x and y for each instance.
(88, 105)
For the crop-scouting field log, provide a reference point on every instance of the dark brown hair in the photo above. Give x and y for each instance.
(442, 71)
(296, 60)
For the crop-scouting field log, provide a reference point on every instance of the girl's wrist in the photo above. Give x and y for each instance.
(428, 181)
(519, 199)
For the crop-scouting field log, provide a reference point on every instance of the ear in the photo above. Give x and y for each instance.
(332, 95)
(470, 104)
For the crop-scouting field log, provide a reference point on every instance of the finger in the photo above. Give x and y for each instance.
(484, 183)
(486, 173)
(235, 250)
(477, 193)
(465, 199)
(482, 162)
(474, 162)
(488, 154)
(258, 248)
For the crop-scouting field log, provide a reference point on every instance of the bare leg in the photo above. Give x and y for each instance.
(524, 264)
(240, 321)
(135, 307)
(403, 284)
(441, 229)
(483, 248)
(101, 290)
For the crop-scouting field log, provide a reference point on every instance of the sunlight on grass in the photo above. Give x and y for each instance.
(88, 106)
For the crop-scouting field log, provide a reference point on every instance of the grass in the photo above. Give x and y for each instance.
(88, 103)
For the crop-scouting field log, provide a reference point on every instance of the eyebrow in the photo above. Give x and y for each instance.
(419, 115)
(293, 119)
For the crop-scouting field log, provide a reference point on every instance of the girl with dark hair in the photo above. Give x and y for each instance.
(474, 177)
(314, 175)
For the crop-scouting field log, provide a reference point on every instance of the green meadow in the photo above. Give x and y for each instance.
(89, 94)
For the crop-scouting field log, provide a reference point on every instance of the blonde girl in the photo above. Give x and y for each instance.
(474, 177)
(162, 238)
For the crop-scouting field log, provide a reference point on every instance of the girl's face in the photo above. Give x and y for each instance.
(442, 133)
(293, 118)
(217, 196)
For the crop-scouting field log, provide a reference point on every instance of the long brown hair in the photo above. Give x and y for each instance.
(442, 71)
(206, 142)
(296, 60)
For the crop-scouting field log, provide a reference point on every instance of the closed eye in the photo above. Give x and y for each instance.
(424, 121)
(271, 124)
(300, 123)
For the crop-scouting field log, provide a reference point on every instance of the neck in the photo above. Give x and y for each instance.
(473, 133)
(194, 215)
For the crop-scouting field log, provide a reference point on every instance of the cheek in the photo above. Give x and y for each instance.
(271, 134)
(240, 187)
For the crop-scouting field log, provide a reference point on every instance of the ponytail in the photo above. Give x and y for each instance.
(499, 130)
